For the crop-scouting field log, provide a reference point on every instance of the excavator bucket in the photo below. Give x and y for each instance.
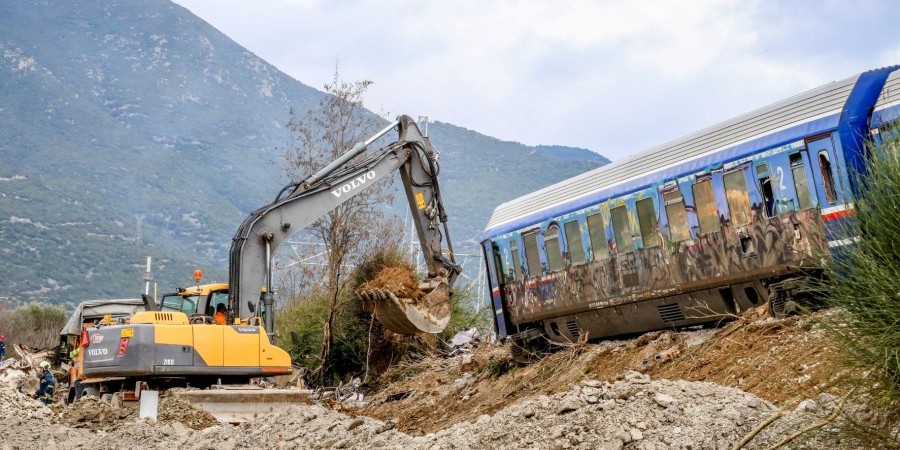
(427, 314)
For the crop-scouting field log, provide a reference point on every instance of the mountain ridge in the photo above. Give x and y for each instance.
(136, 129)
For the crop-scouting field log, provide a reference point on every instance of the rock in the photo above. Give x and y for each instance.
(826, 400)
(809, 406)
(614, 444)
(356, 422)
(567, 407)
(664, 400)
(179, 429)
(528, 412)
(636, 377)
(636, 435)
(385, 427)
(731, 413)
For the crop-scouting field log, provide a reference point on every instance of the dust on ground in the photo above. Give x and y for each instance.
(775, 359)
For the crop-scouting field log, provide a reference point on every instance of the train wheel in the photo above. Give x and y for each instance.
(528, 347)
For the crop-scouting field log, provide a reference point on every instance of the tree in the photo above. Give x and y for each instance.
(348, 231)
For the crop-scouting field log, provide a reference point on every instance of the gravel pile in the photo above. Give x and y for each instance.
(633, 413)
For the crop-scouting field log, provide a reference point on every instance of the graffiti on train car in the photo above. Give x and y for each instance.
(730, 256)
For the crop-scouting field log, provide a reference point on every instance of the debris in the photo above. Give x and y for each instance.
(399, 280)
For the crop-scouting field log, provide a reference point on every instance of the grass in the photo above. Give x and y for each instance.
(863, 282)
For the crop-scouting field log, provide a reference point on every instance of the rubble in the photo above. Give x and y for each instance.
(592, 414)
(609, 395)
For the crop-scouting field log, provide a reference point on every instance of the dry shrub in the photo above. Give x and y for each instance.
(33, 325)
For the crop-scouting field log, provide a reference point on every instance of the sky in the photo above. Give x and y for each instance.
(615, 77)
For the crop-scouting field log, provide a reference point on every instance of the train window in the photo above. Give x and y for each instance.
(647, 220)
(573, 242)
(498, 266)
(519, 273)
(597, 233)
(551, 244)
(737, 197)
(622, 229)
(705, 205)
(827, 178)
(801, 184)
(531, 254)
(678, 227)
(765, 188)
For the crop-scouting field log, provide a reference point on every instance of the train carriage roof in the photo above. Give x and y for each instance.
(888, 105)
(812, 112)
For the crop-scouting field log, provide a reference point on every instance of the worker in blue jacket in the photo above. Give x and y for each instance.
(47, 384)
(2, 348)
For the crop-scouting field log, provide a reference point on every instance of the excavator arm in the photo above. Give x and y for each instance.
(300, 204)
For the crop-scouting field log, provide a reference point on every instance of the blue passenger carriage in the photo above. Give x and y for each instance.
(693, 230)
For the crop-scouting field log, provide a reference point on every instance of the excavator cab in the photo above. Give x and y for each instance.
(198, 302)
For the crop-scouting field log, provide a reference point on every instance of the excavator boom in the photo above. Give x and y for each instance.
(300, 204)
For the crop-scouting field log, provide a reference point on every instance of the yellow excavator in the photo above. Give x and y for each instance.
(178, 342)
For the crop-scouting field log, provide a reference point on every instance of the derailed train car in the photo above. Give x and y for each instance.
(691, 231)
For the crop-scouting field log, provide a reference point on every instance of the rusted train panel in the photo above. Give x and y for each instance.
(734, 256)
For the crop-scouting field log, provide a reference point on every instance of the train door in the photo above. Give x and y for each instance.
(765, 188)
(825, 175)
(495, 280)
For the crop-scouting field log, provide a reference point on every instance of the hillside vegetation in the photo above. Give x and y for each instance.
(134, 129)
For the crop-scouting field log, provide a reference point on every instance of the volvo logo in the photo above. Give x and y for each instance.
(354, 183)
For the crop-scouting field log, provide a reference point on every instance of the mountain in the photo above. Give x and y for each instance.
(578, 154)
(134, 128)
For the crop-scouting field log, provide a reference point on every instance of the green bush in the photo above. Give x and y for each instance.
(300, 326)
(863, 280)
(362, 346)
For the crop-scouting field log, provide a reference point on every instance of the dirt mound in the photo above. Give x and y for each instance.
(399, 280)
(776, 360)
(172, 409)
(94, 414)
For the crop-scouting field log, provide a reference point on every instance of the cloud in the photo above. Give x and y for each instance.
(612, 76)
